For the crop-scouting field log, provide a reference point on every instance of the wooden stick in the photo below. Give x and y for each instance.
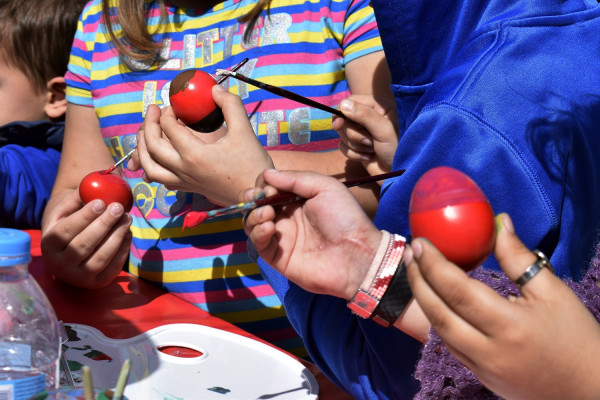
(88, 385)
(122, 381)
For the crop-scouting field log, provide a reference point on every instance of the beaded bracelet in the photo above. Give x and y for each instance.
(382, 270)
(395, 299)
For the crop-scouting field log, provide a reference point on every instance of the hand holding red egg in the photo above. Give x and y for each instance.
(191, 98)
(110, 188)
(450, 210)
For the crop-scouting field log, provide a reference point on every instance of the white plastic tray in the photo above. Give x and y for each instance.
(230, 367)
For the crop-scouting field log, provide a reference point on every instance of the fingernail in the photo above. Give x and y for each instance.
(503, 220)
(98, 206)
(367, 142)
(417, 248)
(116, 209)
(408, 255)
(346, 105)
(220, 88)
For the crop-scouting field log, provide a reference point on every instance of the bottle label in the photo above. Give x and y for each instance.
(22, 389)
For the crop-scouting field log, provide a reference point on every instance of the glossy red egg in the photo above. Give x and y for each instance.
(111, 188)
(191, 98)
(450, 210)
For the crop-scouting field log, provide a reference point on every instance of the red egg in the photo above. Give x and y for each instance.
(191, 98)
(450, 210)
(111, 188)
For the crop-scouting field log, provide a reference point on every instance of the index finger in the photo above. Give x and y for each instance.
(471, 300)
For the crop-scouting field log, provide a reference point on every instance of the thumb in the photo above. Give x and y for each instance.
(511, 253)
(233, 109)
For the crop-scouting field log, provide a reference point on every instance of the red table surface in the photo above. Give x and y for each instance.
(129, 306)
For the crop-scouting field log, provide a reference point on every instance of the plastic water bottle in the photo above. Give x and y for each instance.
(30, 339)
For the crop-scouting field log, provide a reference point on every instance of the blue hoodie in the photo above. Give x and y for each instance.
(29, 157)
(508, 93)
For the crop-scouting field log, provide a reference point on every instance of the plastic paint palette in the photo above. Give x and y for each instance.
(188, 361)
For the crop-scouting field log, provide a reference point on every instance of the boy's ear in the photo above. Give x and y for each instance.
(56, 104)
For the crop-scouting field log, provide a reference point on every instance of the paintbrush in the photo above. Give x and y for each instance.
(121, 161)
(280, 92)
(195, 218)
(219, 81)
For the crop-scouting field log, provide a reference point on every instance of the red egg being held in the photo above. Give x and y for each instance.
(110, 188)
(450, 210)
(191, 98)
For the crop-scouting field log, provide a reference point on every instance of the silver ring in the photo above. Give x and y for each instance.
(531, 271)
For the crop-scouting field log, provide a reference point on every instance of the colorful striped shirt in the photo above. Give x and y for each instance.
(300, 45)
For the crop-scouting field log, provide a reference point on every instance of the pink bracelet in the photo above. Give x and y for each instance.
(382, 270)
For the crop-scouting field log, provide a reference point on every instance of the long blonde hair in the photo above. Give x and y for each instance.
(135, 41)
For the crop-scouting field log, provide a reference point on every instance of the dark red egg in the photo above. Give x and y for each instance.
(111, 188)
(450, 210)
(190, 95)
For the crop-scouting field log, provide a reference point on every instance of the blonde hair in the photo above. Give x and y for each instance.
(135, 40)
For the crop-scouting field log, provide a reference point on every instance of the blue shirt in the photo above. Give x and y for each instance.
(29, 157)
(508, 93)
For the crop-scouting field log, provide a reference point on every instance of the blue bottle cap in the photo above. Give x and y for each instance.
(15, 247)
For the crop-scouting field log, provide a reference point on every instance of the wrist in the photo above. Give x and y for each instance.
(365, 262)
(385, 270)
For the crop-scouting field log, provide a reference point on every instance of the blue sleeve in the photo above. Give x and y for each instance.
(27, 175)
(363, 358)
(518, 178)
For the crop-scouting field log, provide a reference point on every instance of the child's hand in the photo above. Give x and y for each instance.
(312, 242)
(85, 245)
(370, 132)
(218, 167)
(544, 344)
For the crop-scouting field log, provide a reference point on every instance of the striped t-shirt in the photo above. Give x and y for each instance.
(302, 46)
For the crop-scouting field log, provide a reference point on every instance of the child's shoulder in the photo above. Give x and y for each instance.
(38, 134)
(92, 10)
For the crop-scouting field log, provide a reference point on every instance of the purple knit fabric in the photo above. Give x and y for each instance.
(442, 376)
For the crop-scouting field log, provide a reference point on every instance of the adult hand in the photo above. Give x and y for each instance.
(370, 132)
(85, 245)
(544, 344)
(325, 243)
(182, 159)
